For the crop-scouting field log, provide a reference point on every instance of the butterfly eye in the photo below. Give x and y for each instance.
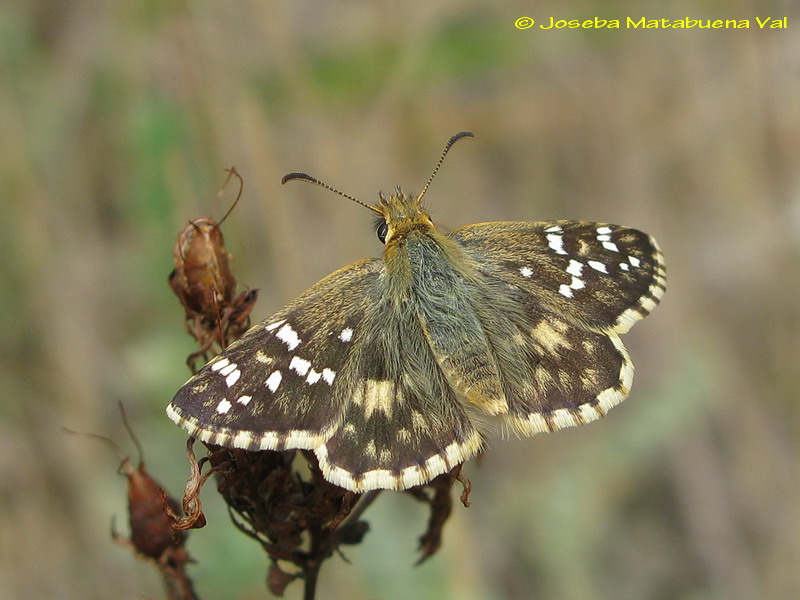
(383, 229)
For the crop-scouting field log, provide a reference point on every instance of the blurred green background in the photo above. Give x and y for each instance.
(117, 120)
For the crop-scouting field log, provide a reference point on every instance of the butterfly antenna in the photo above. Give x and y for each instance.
(450, 142)
(232, 172)
(310, 179)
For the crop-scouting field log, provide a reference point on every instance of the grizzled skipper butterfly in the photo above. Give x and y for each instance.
(395, 370)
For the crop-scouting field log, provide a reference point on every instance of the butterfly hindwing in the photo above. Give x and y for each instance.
(337, 371)
(404, 424)
(562, 374)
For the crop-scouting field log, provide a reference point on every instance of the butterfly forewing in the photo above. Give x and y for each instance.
(605, 276)
(337, 371)
(280, 385)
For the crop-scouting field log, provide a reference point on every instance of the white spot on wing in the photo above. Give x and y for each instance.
(556, 242)
(411, 476)
(275, 325)
(565, 290)
(526, 271)
(635, 262)
(577, 283)
(289, 336)
(346, 335)
(598, 266)
(313, 377)
(624, 266)
(563, 418)
(233, 377)
(228, 369)
(575, 268)
(243, 439)
(328, 375)
(273, 381)
(603, 230)
(300, 365)
(220, 364)
(453, 454)
(610, 246)
(245, 400)
(648, 304)
(223, 406)
(553, 228)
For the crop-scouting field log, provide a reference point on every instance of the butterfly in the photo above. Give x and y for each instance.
(395, 370)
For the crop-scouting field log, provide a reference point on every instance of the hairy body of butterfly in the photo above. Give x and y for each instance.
(396, 370)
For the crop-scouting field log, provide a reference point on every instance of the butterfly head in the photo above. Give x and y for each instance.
(399, 214)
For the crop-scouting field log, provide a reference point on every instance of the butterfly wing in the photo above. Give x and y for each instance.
(380, 393)
(561, 292)
(606, 276)
(343, 372)
(404, 424)
(277, 386)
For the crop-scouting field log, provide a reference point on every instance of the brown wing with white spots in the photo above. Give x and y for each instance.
(605, 276)
(404, 424)
(280, 385)
(344, 373)
(560, 293)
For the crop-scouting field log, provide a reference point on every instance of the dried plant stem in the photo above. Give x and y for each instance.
(311, 570)
(324, 540)
(178, 585)
(362, 505)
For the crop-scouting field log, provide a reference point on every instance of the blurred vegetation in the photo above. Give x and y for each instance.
(117, 121)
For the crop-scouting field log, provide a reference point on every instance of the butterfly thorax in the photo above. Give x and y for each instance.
(430, 283)
(414, 247)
